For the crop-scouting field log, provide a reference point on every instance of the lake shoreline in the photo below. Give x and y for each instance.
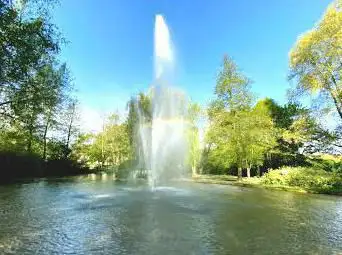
(253, 182)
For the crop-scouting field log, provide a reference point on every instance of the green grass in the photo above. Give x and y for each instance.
(297, 179)
(213, 178)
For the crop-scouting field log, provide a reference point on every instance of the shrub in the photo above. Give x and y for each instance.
(329, 164)
(310, 179)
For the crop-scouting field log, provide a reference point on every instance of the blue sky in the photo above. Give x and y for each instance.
(110, 49)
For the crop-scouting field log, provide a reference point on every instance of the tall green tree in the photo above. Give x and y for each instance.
(232, 87)
(67, 124)
(44, 91)
(242, 139)
(34, 86)
(239, 135)
(27, 42)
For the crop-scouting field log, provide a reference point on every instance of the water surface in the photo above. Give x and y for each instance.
(83, 216)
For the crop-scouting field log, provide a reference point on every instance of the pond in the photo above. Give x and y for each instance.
(101, 216)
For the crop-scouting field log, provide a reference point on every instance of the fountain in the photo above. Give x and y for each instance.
(162, 136)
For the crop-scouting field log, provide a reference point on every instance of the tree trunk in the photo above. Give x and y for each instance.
(258, 171)
(248, 172)
(44, 138)
(336, 99)
(69, 135)
(338, 106)
(70, 125)
(193, 168)
(239, 173)
(102, 145)
(29, 142)
(30, 137)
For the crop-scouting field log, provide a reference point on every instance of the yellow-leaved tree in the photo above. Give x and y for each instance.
(316, 58)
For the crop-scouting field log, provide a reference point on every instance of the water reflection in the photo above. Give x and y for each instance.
(98, 216)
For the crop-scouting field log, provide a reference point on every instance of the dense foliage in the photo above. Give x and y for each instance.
(310, 179)
(315, 60)
(108, 148)
(38, 115)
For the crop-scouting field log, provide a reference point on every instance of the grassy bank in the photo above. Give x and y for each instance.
(297, 179)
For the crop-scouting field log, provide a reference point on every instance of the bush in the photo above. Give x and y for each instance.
(275, 177)
(327, 164)
(310, 179)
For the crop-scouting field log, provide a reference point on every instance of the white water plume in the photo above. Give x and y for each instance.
(162, 138)
(163, 54)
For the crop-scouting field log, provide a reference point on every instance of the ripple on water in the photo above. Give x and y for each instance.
(104, 218)
(9, 245)
(102, 196)
(171, 190)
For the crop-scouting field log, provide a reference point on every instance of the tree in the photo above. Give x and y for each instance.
(297, 132)
(315, 60)
(262, 138)
(232, 88)
(242, 139)
(44, 91)
(117, 144)
(58, 83)
(239, 135)
(34, 90)
(110, 147)
(27, 42)
(31, 84)
(297, 128)
(232, 91)
(69, 120)
(194, 114)
(35, 87)
(139, 115)
(81, 148)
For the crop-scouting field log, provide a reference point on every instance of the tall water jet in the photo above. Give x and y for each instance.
(162, 138)
(163, 53)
